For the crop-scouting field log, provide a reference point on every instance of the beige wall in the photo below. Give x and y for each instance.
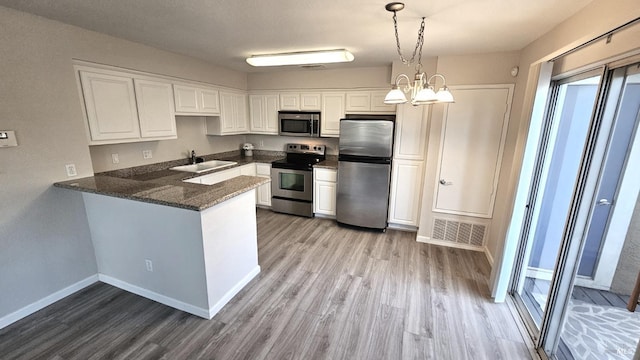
(481, 69)
(44, 238)
(191, 136)
(595, 19)
(370, 77)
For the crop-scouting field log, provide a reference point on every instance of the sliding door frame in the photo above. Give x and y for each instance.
(582, 207)
(545, 139)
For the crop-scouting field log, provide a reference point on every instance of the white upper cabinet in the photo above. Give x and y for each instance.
(155, 109)
(333, 104)
(358, 101)
(210, 101)
(290, 101)
(310, 101)
(110, 103)
(377, 102)
(411, 132)
(263, 111)
(233, 115)
(191, 100)
(306, 101)
(368, 102)
(122, 107)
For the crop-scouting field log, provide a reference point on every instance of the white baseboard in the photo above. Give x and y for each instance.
(233, 291)
(46, 301)
(163, 299)
(180, 305)
(489, 257)
(402, 227)
(324, 216)
(428, 240)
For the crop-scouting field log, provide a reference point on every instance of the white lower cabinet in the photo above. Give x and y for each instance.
(324, 191)
(406, 186)
(263, 193)
(219, 176)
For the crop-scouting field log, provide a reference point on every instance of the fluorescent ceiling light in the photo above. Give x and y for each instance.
(301, 58)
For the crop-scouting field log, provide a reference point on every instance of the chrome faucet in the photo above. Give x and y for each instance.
(193, 156)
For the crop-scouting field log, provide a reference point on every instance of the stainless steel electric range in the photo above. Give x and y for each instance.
(292, 179)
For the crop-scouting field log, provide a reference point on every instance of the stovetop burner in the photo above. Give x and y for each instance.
(301, 157)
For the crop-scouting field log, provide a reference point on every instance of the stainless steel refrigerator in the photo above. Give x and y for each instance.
(364, 170)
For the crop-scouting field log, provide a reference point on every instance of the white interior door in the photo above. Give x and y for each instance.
(473, 134)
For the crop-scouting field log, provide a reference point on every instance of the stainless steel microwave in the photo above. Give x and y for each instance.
(299, 123)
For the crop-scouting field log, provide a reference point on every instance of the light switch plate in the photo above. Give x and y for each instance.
(147, 154)
(8, 138)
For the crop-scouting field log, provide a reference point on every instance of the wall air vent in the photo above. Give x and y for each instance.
(458, 232)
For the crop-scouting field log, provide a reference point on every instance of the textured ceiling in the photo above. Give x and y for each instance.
(225, 32)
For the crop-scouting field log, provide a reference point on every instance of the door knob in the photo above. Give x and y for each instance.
(604, 202)
(445, 182)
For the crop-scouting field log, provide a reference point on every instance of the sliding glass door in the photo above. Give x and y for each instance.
(594, 321)
(578, 260)
(556, 172)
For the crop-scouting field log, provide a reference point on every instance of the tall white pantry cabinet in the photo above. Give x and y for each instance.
(407, 169)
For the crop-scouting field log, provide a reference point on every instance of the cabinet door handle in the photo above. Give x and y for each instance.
(445, 182)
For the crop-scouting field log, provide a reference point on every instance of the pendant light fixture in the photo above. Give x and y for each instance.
(423, 88)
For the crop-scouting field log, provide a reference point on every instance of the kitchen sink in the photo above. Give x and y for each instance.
(204, 166)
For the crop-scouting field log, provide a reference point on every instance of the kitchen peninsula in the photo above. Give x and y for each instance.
(186, 245)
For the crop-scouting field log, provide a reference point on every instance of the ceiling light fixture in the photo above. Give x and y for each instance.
(301, 58)
(422, 89)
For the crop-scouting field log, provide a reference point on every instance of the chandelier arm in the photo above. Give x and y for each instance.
(398, 80)
(444, 81)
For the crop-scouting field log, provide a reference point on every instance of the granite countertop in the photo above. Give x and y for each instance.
(157, 184)
(331, 162)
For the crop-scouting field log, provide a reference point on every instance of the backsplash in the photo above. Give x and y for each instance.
(278, 143)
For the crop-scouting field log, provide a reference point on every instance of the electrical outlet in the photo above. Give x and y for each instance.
(115, 159)
(149, 264)
(147, 154)
(71, 170)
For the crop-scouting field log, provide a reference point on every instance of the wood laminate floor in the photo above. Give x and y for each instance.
(325, 292)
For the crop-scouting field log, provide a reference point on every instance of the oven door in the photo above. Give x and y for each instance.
(292, 184)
